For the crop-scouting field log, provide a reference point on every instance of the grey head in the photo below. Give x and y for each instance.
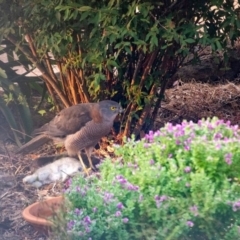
(109, 109)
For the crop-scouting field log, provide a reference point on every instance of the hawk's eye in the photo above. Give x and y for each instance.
(113, 108)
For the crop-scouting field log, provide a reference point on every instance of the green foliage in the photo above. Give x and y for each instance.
(178, 183)
(15, 109)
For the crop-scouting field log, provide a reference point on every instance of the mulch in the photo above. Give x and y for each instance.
(15, 196)
(191, 101)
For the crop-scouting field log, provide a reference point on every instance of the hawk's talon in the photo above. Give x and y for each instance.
(87, 171)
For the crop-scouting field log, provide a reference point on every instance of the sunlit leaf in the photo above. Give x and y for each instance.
(84, 8)
(2, 73)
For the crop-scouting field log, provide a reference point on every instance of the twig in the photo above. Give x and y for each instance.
(3, 195)
(19, 167)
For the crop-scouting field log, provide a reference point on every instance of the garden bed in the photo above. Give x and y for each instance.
(190, 101)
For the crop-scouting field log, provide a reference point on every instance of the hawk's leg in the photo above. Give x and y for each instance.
(89, 152)
(83, 165)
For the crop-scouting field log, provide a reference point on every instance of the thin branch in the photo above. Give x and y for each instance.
(146, 111)
(73, 87)
(137, 69)
(31, 45)
(127, 129)
(148, 68)
(41, 68)
(50, 68)
(62, 77)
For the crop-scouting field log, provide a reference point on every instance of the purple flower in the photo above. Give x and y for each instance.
(70, 224)
(178, 142)
(159, 200)
(120, 206)
(194, 210)
(187, 169)
(170, 155)
(157, 133)
(228, 123)
(179, 131)
(146, 145)
(132, 187)
(87, 220)
(210, 127)
(108, 197)
(186, 148)
(151, 162)
(78, 211)
(228, 158)
(170, 127)
(121, 179)
(219, 122)
(94, 209)
(187, 185)
(217, 136)
(125, 220)
(81, 191)
(68, 183)
(118, 214)
(200, 123)
(149, 137)
(126, 184)
(236, 206)
(190, 223)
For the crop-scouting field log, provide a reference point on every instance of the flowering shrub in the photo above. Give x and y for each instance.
(181, 182)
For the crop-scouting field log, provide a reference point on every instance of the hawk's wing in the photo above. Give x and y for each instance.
(69, 120)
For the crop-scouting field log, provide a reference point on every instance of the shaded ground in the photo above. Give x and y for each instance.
(14, 195)
(190, 101)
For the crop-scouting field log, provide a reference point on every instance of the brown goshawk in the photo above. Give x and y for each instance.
(81, 126)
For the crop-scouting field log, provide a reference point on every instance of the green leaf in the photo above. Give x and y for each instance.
(84, 8)
(112, 63)
(42, 112)
(11, 121)
(189, 40)
(154, 40)
(127, 49)
(58, 16)
(219, 46)
(84, 16)
(3, 73)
